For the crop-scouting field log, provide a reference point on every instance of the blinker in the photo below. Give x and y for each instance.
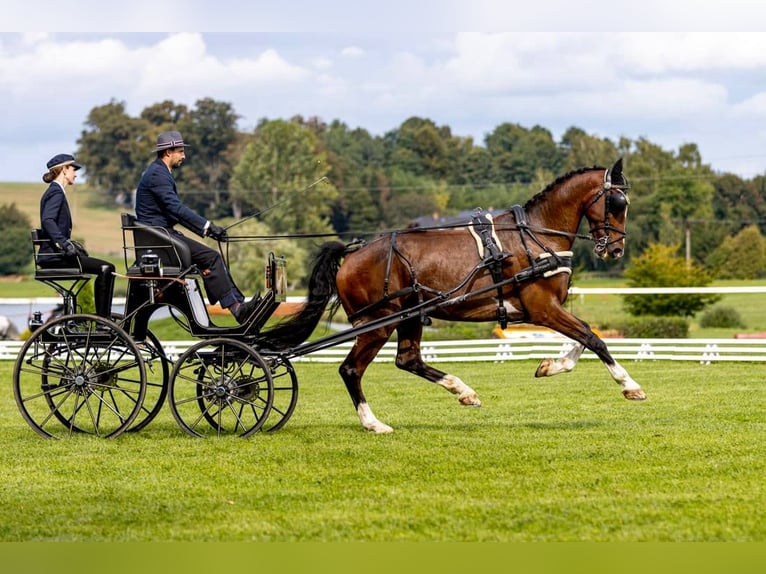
(617, 202)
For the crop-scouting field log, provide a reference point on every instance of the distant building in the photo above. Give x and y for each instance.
(435, 220)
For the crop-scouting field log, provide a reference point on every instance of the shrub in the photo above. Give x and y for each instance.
(659, 266)
(742, 256)
(16, 254)
(656, 328)
(721, 317)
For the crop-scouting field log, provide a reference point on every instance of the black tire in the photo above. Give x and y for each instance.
(285, 394)
(157, 374)
(79, 374)
(220, 387)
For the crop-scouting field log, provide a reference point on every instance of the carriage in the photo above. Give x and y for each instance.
(81, 373)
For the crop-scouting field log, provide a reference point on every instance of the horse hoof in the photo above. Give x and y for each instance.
(634, 395)
(470, 400)
(542, 368)
(379, 428)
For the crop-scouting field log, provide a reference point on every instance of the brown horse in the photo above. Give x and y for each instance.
(516, 268)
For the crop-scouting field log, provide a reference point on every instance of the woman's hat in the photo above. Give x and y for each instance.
(169, 140)
(61, 160)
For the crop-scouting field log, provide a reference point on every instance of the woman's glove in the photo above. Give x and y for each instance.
(70, 249)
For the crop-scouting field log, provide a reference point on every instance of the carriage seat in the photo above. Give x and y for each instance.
(173, 253)
(43, 272)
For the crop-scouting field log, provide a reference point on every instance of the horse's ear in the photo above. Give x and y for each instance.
(616, 170)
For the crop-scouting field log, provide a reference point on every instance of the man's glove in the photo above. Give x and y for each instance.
(217, 233)
(70, 249)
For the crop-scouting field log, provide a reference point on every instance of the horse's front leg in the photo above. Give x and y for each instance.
(549, 366)
(567, 324)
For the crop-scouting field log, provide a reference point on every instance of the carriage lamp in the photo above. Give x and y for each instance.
(150, 265)
(36, 321)
(276, 276)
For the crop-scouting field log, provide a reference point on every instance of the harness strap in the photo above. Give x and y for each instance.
(523, 226)
(483, 230)
(491, 254)
(414, 288)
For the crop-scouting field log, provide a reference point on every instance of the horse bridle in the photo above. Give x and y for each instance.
(616, 201)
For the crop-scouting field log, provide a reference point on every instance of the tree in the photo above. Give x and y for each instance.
(422, 148)
(210, 128)
(517, 152)
(355, 160)
(247, 259)
(277, 175)
(17, 252)
(165, 115)
(742, 256)
(413, 196)
(583, 150)
(659, 266)
(113, 148)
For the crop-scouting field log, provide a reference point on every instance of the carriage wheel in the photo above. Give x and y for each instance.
(79, 374)
(285, 394)
(221, 387)
(157, 375)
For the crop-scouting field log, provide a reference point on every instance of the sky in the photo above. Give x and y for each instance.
(612, 71)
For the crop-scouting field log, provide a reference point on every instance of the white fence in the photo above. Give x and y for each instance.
(704, 351)
(531, 347)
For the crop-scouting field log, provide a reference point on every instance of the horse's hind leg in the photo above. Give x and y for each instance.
(410, 359)
(365, 348)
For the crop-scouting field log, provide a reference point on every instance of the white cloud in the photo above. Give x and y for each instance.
(670, 88)
(352, 52)
(658, 53)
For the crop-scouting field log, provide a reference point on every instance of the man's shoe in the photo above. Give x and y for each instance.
(245, 310)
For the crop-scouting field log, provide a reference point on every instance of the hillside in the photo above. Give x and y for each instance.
(98, 227)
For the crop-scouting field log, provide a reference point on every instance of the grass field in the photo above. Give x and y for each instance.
(561, 459)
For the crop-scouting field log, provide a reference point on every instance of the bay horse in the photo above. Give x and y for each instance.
(522, 274)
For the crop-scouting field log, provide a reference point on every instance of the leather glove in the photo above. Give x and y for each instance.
(70, 249)
(217, 233)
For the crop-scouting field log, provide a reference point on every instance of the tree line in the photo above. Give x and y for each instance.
(307, 176)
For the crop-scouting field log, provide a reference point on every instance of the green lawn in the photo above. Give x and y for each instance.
(562, 459)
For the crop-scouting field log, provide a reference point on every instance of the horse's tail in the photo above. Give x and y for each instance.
(322, 288)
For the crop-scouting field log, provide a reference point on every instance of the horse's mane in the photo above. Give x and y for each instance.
(538, 197)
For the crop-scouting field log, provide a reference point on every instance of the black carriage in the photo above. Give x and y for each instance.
(81, 373)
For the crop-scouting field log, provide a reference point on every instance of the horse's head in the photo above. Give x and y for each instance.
(607, 213)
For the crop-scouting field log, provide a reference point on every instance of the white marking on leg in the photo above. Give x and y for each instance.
(466, 395)
(630, 388)
(369, 421)
(549, 367)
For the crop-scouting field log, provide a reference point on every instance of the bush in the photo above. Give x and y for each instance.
(659, 266)
(721, 317)
(16, 254)
(740, 257)
(655, 328)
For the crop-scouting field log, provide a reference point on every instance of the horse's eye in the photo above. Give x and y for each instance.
(617, 203)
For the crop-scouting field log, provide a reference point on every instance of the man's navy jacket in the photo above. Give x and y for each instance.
(158, 204)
